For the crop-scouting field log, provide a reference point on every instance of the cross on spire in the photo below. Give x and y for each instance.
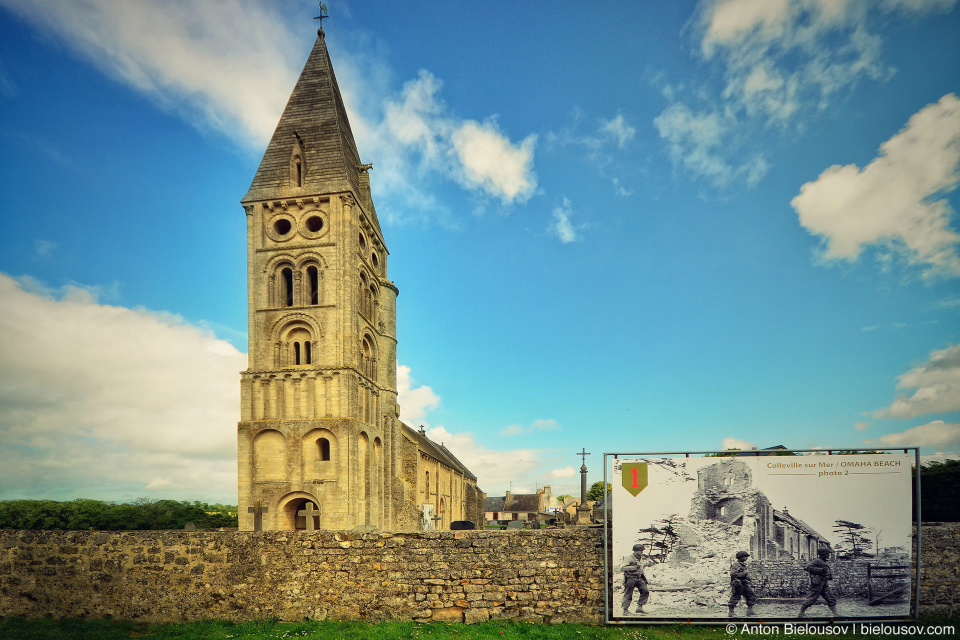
(583, 455)
(323, 14)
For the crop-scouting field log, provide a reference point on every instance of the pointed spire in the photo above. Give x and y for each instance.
(312, 151)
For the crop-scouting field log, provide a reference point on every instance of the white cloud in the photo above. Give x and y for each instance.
(490, 162)
(936, 383)
(698, 143)
(566, 472)
(562, 227)
(417, 136)
(227, 66)
(112, 403)
(44, 248)
(493, 468)
(539, 424)
(736, 443)
(619, 130)
(861, 425)
(414, 402)
(894, 203)
(598, 148)
(230, 66)
(777, 54)
(935, 435)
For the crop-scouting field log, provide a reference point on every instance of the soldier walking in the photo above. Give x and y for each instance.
(820, 577)
(633, 578)
(740, 584)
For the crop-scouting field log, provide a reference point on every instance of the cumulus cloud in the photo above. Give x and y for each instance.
(561, 226)
(935, 435)
(414, 402)
(780, 59)
(777, 54)
(228, 66)
(418, 136)
(535, 426)
(896, 202)
(112, 403)
(599, 141)
(493, 468)
(936, 383)
(566, 472)
(619, 130)
(698, 142)
(736, 443)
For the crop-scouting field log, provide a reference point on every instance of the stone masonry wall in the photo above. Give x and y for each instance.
(546, 575)
(173, 575)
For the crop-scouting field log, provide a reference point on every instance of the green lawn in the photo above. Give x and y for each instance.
(69, 629)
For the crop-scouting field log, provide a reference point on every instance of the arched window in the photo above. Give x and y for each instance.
(323, 446)
(368, 363)
(286, 287)
(300, 347)
(298, 169)
(428, 484)
(313, 285)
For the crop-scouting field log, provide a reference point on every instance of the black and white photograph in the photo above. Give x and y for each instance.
(788, 536)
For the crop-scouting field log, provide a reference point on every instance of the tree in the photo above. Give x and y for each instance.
(596, 490)
(854, 534)
(939, 488)
(97, 515)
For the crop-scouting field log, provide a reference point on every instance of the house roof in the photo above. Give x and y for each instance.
(797, 523)
(437, 451)
(529, 502)
(493, 504)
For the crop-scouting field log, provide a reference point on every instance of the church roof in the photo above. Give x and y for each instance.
(437, 451)
(315, 120)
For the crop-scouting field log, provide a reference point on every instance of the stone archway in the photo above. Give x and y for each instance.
(300, 512)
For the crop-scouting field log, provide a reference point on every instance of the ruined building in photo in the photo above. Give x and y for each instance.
(320, 443)
(725, 493)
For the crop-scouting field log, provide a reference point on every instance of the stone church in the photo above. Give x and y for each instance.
(320, 443)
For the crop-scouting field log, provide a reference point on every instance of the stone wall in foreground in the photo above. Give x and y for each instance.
(173, 575)
(166, 576)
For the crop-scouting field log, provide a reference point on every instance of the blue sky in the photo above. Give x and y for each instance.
(626, 227)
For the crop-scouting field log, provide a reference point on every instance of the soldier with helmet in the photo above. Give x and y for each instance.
(740, 584)
(820, 577)
(633, 578)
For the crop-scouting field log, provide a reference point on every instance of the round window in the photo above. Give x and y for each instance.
(314, 224)
(281, 227)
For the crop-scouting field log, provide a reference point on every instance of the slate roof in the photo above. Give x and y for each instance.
(493, 504)
(437, 451)
(315, 119)
(529, 502)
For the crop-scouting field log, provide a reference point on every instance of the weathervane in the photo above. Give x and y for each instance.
(323, 14)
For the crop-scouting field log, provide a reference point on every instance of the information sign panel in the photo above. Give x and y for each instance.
(778, 537)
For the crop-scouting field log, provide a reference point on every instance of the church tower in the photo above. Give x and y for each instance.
(319, 442)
